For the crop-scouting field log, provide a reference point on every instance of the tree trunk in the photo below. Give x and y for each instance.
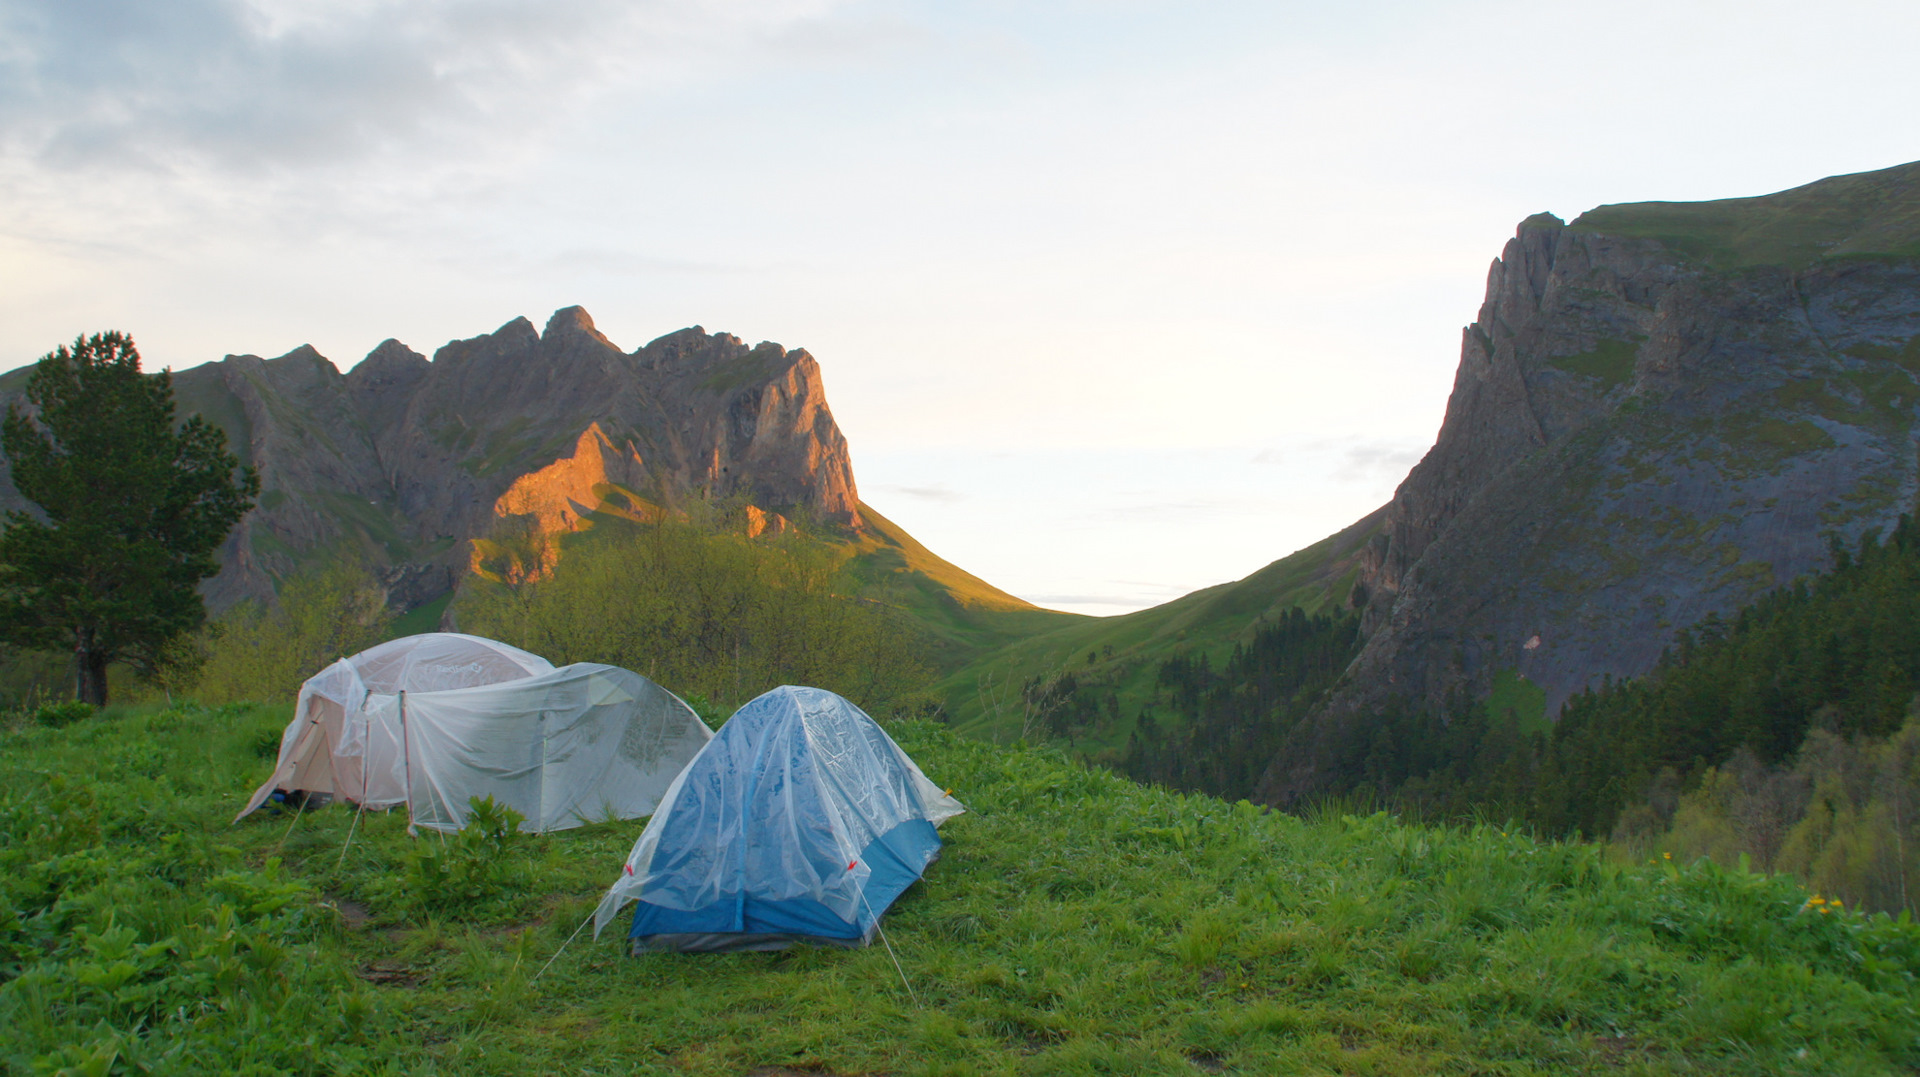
(90, 676)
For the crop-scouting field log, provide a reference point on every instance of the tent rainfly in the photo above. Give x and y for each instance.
(434, 720)
(801, 821)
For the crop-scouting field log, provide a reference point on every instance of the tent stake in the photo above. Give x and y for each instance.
(562, 949)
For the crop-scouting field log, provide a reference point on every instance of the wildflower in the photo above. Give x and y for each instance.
(1669, 856)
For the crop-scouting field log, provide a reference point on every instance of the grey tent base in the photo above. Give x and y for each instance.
(728, 942)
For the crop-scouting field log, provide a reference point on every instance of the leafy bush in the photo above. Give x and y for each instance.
(710, 614)
(465, 872)
(55, 715)
(264, 652)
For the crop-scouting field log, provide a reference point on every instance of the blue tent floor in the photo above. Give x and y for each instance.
(740, 922)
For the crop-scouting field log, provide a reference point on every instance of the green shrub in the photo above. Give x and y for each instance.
(55, 715)
(467, 871)
(712, 615)
(264, 652)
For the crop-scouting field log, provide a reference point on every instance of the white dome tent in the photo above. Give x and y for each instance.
(434, 720)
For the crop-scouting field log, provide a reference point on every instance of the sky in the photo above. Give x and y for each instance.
(1113, 300)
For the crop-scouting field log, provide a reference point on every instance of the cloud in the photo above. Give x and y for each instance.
(245, 86)
(1176, 509)
(1377, 460)
(937, 492)
(1351, 462)
(627, 264)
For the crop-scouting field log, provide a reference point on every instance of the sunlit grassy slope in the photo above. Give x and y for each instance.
(1077, 924)
(963, 613)
(984, 696)
(1859, 215)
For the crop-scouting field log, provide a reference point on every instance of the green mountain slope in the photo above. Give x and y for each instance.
(991, 695)
(1076, 924)
(963, 613)
(1867, 214)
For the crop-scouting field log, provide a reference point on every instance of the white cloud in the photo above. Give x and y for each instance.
(936, 492)
(244, 87)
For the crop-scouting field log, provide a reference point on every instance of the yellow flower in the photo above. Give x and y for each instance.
(1669, 856)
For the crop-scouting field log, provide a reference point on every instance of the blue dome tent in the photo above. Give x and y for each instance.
(801, 821)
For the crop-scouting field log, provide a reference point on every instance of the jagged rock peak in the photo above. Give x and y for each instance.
(569, 323)
(304, 353)
(690, 347)
(391, 353)
(518, 331)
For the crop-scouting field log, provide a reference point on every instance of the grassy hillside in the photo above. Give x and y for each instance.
(1864, 214)
(963, 613)
(1077, 924)
(988, 698)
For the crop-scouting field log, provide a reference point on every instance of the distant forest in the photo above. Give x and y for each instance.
(1786, 733)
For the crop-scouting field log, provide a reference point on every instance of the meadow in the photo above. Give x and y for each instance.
(1077, 924)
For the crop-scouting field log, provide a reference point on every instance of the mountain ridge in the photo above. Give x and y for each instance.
(415, 465)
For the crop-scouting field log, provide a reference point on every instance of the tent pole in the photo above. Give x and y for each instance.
(360, 804)
(406, 759)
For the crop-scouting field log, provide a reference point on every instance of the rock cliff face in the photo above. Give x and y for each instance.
(408, 460)
(1661, 411)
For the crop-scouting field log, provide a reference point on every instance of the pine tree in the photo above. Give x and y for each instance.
(132, 509)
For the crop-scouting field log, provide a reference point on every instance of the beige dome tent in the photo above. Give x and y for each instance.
(432, 721)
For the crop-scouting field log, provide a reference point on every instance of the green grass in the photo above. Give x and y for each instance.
(424, 618)
(1867, 214)
(1077, 924)
(962, 614)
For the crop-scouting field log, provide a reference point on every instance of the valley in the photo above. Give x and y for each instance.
(1596, 748)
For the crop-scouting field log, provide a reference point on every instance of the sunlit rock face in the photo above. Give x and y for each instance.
(1662, 411)
(405, 460)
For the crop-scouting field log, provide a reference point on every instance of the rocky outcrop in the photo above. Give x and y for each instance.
(1660, 412)
(406, 460)
(557, 497)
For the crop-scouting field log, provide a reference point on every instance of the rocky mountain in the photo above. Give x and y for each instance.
(1661, 411)
(417, 464)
